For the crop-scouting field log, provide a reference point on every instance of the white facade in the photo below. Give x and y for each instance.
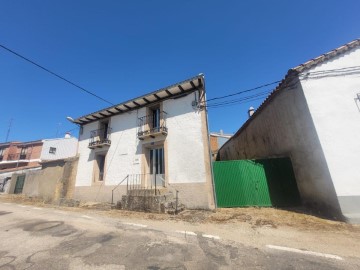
(58, 148)
(186, 159)
(335, 110)
(313, 118)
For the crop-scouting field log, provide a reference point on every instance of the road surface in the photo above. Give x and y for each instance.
(47, 238)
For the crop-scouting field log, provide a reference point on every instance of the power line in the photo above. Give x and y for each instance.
(56, 75)
(245, 100)
(314, 74)
(242, 102)
(244, 91)
(239, 99)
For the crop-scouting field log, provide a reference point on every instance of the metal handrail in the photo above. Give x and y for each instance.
(144, 181)
(112, 192)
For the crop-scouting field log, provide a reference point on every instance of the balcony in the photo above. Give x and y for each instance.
(100, 138)
(18, 157)
(152, 125)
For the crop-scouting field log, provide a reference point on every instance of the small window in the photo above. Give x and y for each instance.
(52, 150)
(23, 152)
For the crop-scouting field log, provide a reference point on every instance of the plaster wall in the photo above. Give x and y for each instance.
(335, 109)
(185, 153)
(284, 128)
(122, 157)
(65, 147)
(186, 161)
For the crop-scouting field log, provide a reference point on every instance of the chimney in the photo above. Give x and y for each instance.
(251, 111)
(67, 135)
(221, 132)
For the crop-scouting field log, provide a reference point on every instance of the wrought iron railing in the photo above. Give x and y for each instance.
(145, 181)
(100, 137)
(151, 124)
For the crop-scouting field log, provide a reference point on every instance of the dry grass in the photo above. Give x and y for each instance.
(256, 217)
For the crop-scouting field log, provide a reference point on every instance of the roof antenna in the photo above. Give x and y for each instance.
(8, 132)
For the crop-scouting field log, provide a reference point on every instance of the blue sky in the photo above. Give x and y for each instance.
(120, 50)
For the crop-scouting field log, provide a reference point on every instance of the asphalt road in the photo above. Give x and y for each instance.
(46, 238)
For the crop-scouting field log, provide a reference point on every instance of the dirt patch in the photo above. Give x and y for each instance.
(256, 217)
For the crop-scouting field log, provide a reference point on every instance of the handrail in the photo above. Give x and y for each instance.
(112, 192)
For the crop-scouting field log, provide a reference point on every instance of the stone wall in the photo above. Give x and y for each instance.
(53, 182)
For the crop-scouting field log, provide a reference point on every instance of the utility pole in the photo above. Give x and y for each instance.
(8, 132)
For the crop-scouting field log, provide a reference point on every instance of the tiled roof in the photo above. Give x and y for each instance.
(173, 91)
(326, 56)
(295, 71)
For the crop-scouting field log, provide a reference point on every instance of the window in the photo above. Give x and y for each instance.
(52, 150)
(23, 153)
(1, 153)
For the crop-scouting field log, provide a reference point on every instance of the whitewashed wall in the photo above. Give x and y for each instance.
(185, 143)
(121, 156)
(336, 115)
(65, 147)
(185, 155)
(284, 128)
(185, 146)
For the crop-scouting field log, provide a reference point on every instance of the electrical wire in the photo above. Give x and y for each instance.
(244, 91)
(54, 74)
(243, 102)
(304, 75)
(239, 99)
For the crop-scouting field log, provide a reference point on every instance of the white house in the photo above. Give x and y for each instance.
(313, 117)
(59, 148)
(156, 140)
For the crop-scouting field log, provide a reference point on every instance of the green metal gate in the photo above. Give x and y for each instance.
(19, 184)
(269, 182)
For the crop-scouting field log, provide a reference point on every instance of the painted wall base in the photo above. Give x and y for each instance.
(350, 208)
(193, 196)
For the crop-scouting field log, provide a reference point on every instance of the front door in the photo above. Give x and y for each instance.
(157, 167)
(19, 184)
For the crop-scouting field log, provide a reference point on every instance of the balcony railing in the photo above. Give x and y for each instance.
(100, 138)
(152, 125)
(18, 156)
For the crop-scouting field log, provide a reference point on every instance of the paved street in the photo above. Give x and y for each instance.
(46, 238)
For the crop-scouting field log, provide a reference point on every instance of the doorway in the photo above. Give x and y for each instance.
(157, 167)
(19, 184)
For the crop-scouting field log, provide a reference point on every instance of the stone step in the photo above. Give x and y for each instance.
(147, 192)
(144, 201)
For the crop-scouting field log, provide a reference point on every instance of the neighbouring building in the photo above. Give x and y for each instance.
(20, 154)
(156, 141)
(21, 158)
(59, 148)
(217, 140)
(313, 117)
